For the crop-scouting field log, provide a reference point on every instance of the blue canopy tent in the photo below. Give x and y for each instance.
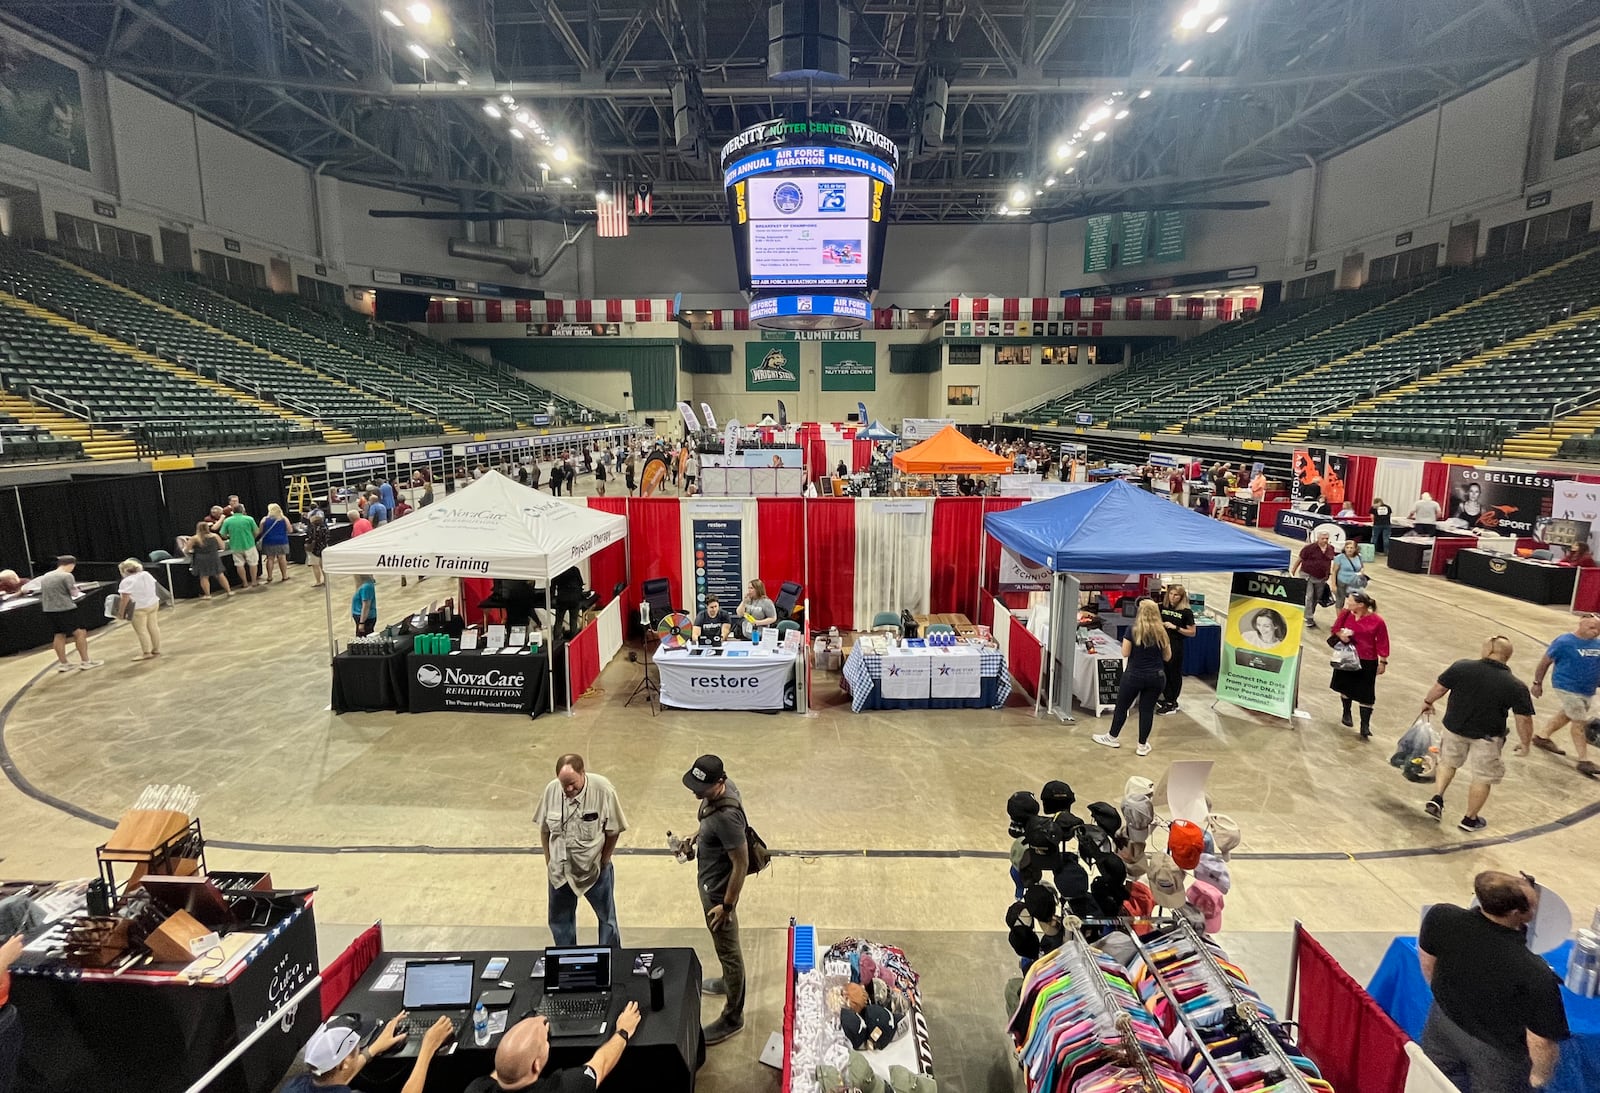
(876, 431)
(1117, 528)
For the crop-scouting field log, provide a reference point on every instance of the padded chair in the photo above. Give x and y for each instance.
(886, 620)
(657, 594)
(159, 556)
(784, 626)
(788, 601)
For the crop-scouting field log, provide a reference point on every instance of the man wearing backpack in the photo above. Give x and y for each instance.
(722, 850)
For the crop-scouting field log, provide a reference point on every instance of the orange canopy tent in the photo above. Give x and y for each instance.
(949, 452)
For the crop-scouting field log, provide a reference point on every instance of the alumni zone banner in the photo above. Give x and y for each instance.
(1261, 643)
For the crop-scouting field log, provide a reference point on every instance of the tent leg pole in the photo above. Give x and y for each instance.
(550, 648)
(327, 603)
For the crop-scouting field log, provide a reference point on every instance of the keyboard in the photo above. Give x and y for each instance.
(574, 1007)
(415, 1024)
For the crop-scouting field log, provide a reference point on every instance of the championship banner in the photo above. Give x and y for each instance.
(711, 419)
(1018, 574)
(690, 422)
(1261, 643)
(1509, 502)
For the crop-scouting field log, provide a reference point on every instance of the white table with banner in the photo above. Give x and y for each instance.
(738, 676)
(1097, 672)
(918, 677)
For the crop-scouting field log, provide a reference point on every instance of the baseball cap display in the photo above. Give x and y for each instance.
(329, 1046)
(1056, 796)
(1214, 871)
(1138, 808)
(1205, 898)
(880, 1026)
(1185, 843)
(1107, 816)
(706, 772)
(1019, 807)
(1224, 834)
(1165, 881)
(1041, 902)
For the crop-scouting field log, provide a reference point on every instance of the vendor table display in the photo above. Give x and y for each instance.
(916, 676)
(1097, 673)
(479, 681)
(1410, 554)
(1399, 988)
(23, 625)
(662, 1055)
(1202, 654)
(155, 1028)
(1523, 578)
(367, 681)
(740, 675)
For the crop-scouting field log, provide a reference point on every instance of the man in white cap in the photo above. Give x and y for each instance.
(334, 1056)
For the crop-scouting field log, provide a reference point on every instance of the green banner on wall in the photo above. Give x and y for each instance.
(771, 366)
(1097, 239)
(1135, 238)
(41, 105)
(1171, 235)
(849, 367)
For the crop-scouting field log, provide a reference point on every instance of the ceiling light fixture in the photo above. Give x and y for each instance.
(1082, 152)
(1051, 181)
(601, 196)
(1002, 210)
(417, 50)
(1019, 196)
(1063, 150)
(1145, 94)
(1100, 136)
(518, 133)
(491, 109)
(1184, 67)
(561, 152)
(461, 81)
(1217, 24)
(392, 19)
(509, 100)
(1097, 116)
(568, 180)
(1120, 114)
(421, 14)
(1190, 19)
(1206, 7)
(1071, 169)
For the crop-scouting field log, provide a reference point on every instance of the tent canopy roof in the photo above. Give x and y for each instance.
(876, 431)
(493, 527)
(949, 452)
(1118, 528)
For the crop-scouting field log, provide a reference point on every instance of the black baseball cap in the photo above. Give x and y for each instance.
(1056, 796)
(706, 772)
(1107, 816)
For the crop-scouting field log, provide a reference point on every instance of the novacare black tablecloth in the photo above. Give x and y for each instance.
(367, 682)
(24, 626)
(475, 681)
(1536, 582)
(135, 1035)
(662, 1056)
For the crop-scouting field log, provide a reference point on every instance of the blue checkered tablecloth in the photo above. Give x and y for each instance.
(862, 670)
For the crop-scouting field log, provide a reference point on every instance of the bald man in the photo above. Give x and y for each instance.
(1481, 693)
(519, 1061)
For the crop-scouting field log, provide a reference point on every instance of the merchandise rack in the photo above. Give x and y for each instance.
(1123, 1021)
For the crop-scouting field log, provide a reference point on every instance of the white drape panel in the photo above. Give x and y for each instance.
(1399, 482)
(893, 540)
(1424, 1077)
(1001, 628)
(609, 633)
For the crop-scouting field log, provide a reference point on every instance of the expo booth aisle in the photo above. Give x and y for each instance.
(493, 528)
(1114, 528)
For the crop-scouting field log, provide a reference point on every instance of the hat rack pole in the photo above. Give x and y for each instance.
(1135, 1050)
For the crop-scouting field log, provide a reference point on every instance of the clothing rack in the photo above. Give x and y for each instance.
(1172, 999)
(1122, 1021)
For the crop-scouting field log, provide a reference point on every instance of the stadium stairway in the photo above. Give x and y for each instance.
(1539, 445)
(330, 435)
(1486, 359)
(101, 445)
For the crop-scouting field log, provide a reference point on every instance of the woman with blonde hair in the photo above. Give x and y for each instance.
(1177, 619)
(141, 596)
(1146, 652)
(273, 535)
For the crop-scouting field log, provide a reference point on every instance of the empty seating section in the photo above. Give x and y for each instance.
(20, 441)
(1495, 318)
(99, 384)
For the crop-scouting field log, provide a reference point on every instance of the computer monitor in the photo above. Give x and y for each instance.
(581, 968)
(1499, 546)
(437, 984)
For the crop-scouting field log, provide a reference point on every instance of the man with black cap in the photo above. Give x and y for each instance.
(724, 859)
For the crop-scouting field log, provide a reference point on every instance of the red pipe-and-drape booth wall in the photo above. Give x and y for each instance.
(1436, 481)
(609, 567)
(991, 563)
(860, 454)
(1360, 474)
(656, 541)
(831, 561)
(955, 556)
(781, 527)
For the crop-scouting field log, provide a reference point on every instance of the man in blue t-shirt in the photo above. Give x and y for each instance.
(1575, 658)
(377, 511)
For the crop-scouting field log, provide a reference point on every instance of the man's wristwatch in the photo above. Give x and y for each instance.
(625, 1034)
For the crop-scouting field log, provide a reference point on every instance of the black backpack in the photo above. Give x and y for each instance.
(757, 853)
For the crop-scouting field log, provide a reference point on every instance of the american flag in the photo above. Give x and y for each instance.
(611, 211)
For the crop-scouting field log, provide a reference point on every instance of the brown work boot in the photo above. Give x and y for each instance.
(1589, 769)
(1544, 743)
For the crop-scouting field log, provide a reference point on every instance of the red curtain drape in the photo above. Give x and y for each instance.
(831, 561)
(474, 590)
(583, 661)
(1360, 476)
(991, 562)
(1025, 656)
(860, 454)
(345, 970)
(609, 566)
(957, 542)
(1352, 1041)
(655, 535)
(781, 527)
(1436, 481)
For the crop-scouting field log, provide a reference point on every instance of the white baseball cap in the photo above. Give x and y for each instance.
(330, 1046)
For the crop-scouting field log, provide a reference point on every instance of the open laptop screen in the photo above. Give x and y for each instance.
(578, 969)
(437, 983)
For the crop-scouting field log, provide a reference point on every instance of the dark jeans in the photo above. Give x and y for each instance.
(10, 1047)
(730, 956)
(1380, 538)
(1174, 687)
(566, 623)
(1474, 1066)
(563, 913)
(1146, 690)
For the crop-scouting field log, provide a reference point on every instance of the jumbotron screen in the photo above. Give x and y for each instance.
(809, 203)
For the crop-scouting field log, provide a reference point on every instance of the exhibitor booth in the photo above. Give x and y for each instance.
(1114, 528)
(496, 528)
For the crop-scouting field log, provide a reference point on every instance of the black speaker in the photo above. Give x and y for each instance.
(658, 988)
(808, 39)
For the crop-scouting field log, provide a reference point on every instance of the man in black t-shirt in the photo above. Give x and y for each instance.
(1497, 1020)
(519, 1060)
(712, 619)
(724, 858)
(1481, 693)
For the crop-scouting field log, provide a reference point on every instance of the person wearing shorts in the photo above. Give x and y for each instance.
(1575, 659)
(240, 531)
(1481, 693)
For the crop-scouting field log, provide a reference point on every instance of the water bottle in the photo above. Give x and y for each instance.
(480, 1024)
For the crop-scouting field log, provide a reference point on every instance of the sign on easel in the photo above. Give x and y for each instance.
(1260, 667)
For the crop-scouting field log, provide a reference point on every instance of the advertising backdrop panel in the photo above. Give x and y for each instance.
(1261, 643)
(1492, 498)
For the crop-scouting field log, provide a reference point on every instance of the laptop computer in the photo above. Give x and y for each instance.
(434, 989)
(577, 991)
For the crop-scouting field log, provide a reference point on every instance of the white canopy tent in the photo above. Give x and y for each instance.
(494, 527)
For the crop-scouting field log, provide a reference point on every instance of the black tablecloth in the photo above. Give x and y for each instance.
(83, 1034)
(1408, 557)
(479, 682)
(662, 1057)
(24, 626)
(370, 682)
(337, 533)
(1512, 576)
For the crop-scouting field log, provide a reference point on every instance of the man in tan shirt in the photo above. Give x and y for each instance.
(580, 819)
